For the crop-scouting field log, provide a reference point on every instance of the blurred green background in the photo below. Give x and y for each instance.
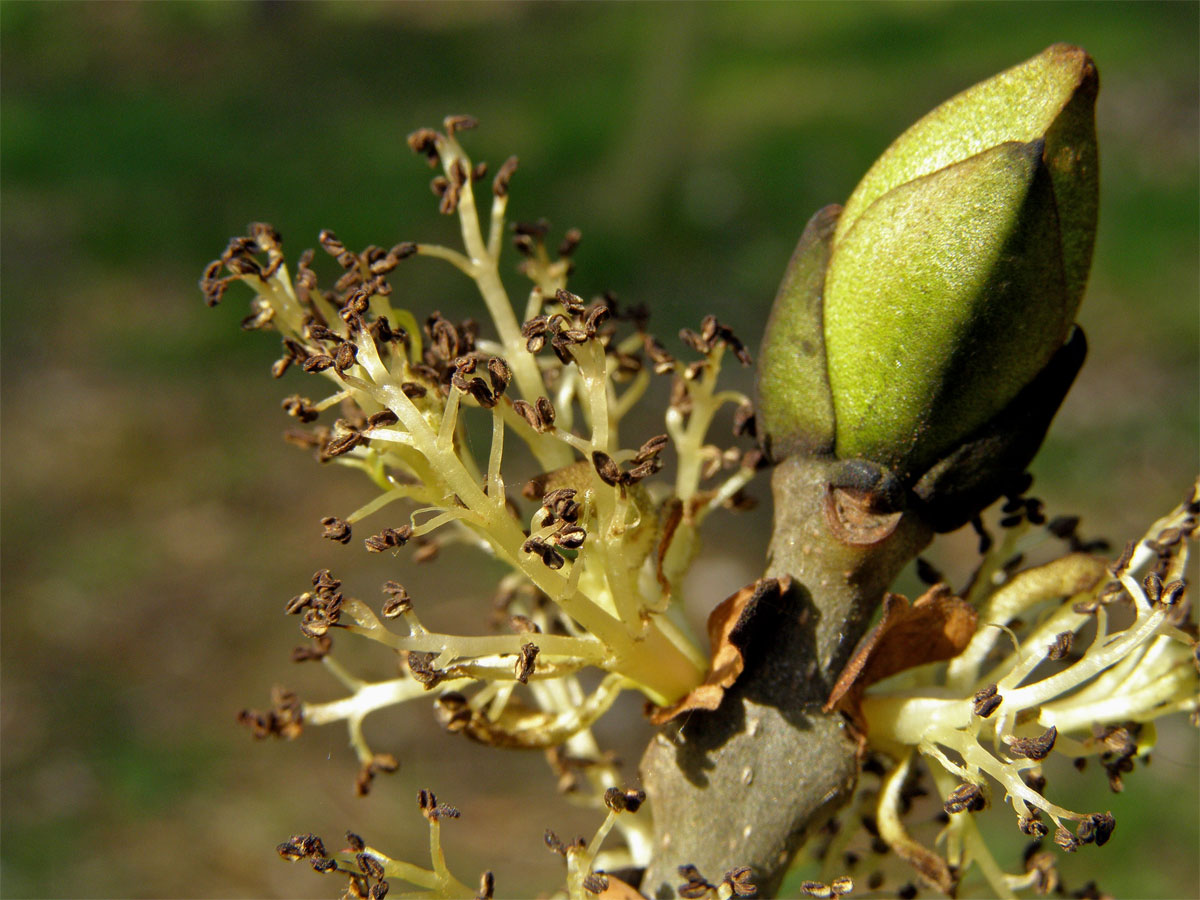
(154, 523)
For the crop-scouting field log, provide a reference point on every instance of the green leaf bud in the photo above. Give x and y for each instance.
(795, 408)
(959, 262)
(908, 326)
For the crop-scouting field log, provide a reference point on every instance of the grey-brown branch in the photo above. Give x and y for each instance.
(747, 784)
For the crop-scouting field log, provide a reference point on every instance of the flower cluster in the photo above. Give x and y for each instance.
(1077, 657)
(597, 544)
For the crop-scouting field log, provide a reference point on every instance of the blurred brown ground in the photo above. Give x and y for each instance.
(153, 522)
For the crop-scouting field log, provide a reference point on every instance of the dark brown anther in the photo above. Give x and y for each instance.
(403, 250)
(1170, 537)
(694, 340)
(479, 172)
(570, 241)
(314, 331)
(1173, 593)
(450, 195)
(212, 284)
(1111, 592)
(1032, 825)
(369, 865)
(1042, 865)
(1122, 562)
(817, 889)
(323, 864)
(642, 470)
(421, 666)
(555, 844)
(1097, 828)
(841, 885)
(431, 809)
(379, 763)
(663, 362)
(523, 244)
(1032, 748)
(487, 886)
(652, 448)
(740, 881)
(459, 123)
(261, 316)
(299, 603)
(595, 882)
(427, 550)
(500, 374)
(1066, 840)
(608, 470)
(389, 538)
(379, 890)
(330, 244)
(314, 652)
(966, 797)
(597, 315)
(987, 701)
(570, 537)
(1035, 781)
(244, 266)
(744, 424)
(324, 582)
(1153, 586)
(1061, 646)
(572, 303)
(314, 623)
(1063, 526)
(382, 419)
(562, 348)
(341, 443)
(385, 762)
(336, 529)
(526, 662)
(398, 601)
(453, 711)
(545, 413)
(362, 781)
(534, 331)
(300, 408)
(444, 337)
(624, 801)
(294, 848)
(425, 142)
(412, 390)
(696, 886)
(536, 230)
(528, 413)
(560, 505)
(681, 398)
(318, 363)
(503, 176)
(523, 624)
(345, 357)
(551, 558)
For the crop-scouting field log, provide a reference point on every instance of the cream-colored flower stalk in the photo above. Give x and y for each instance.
(1049, 670)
